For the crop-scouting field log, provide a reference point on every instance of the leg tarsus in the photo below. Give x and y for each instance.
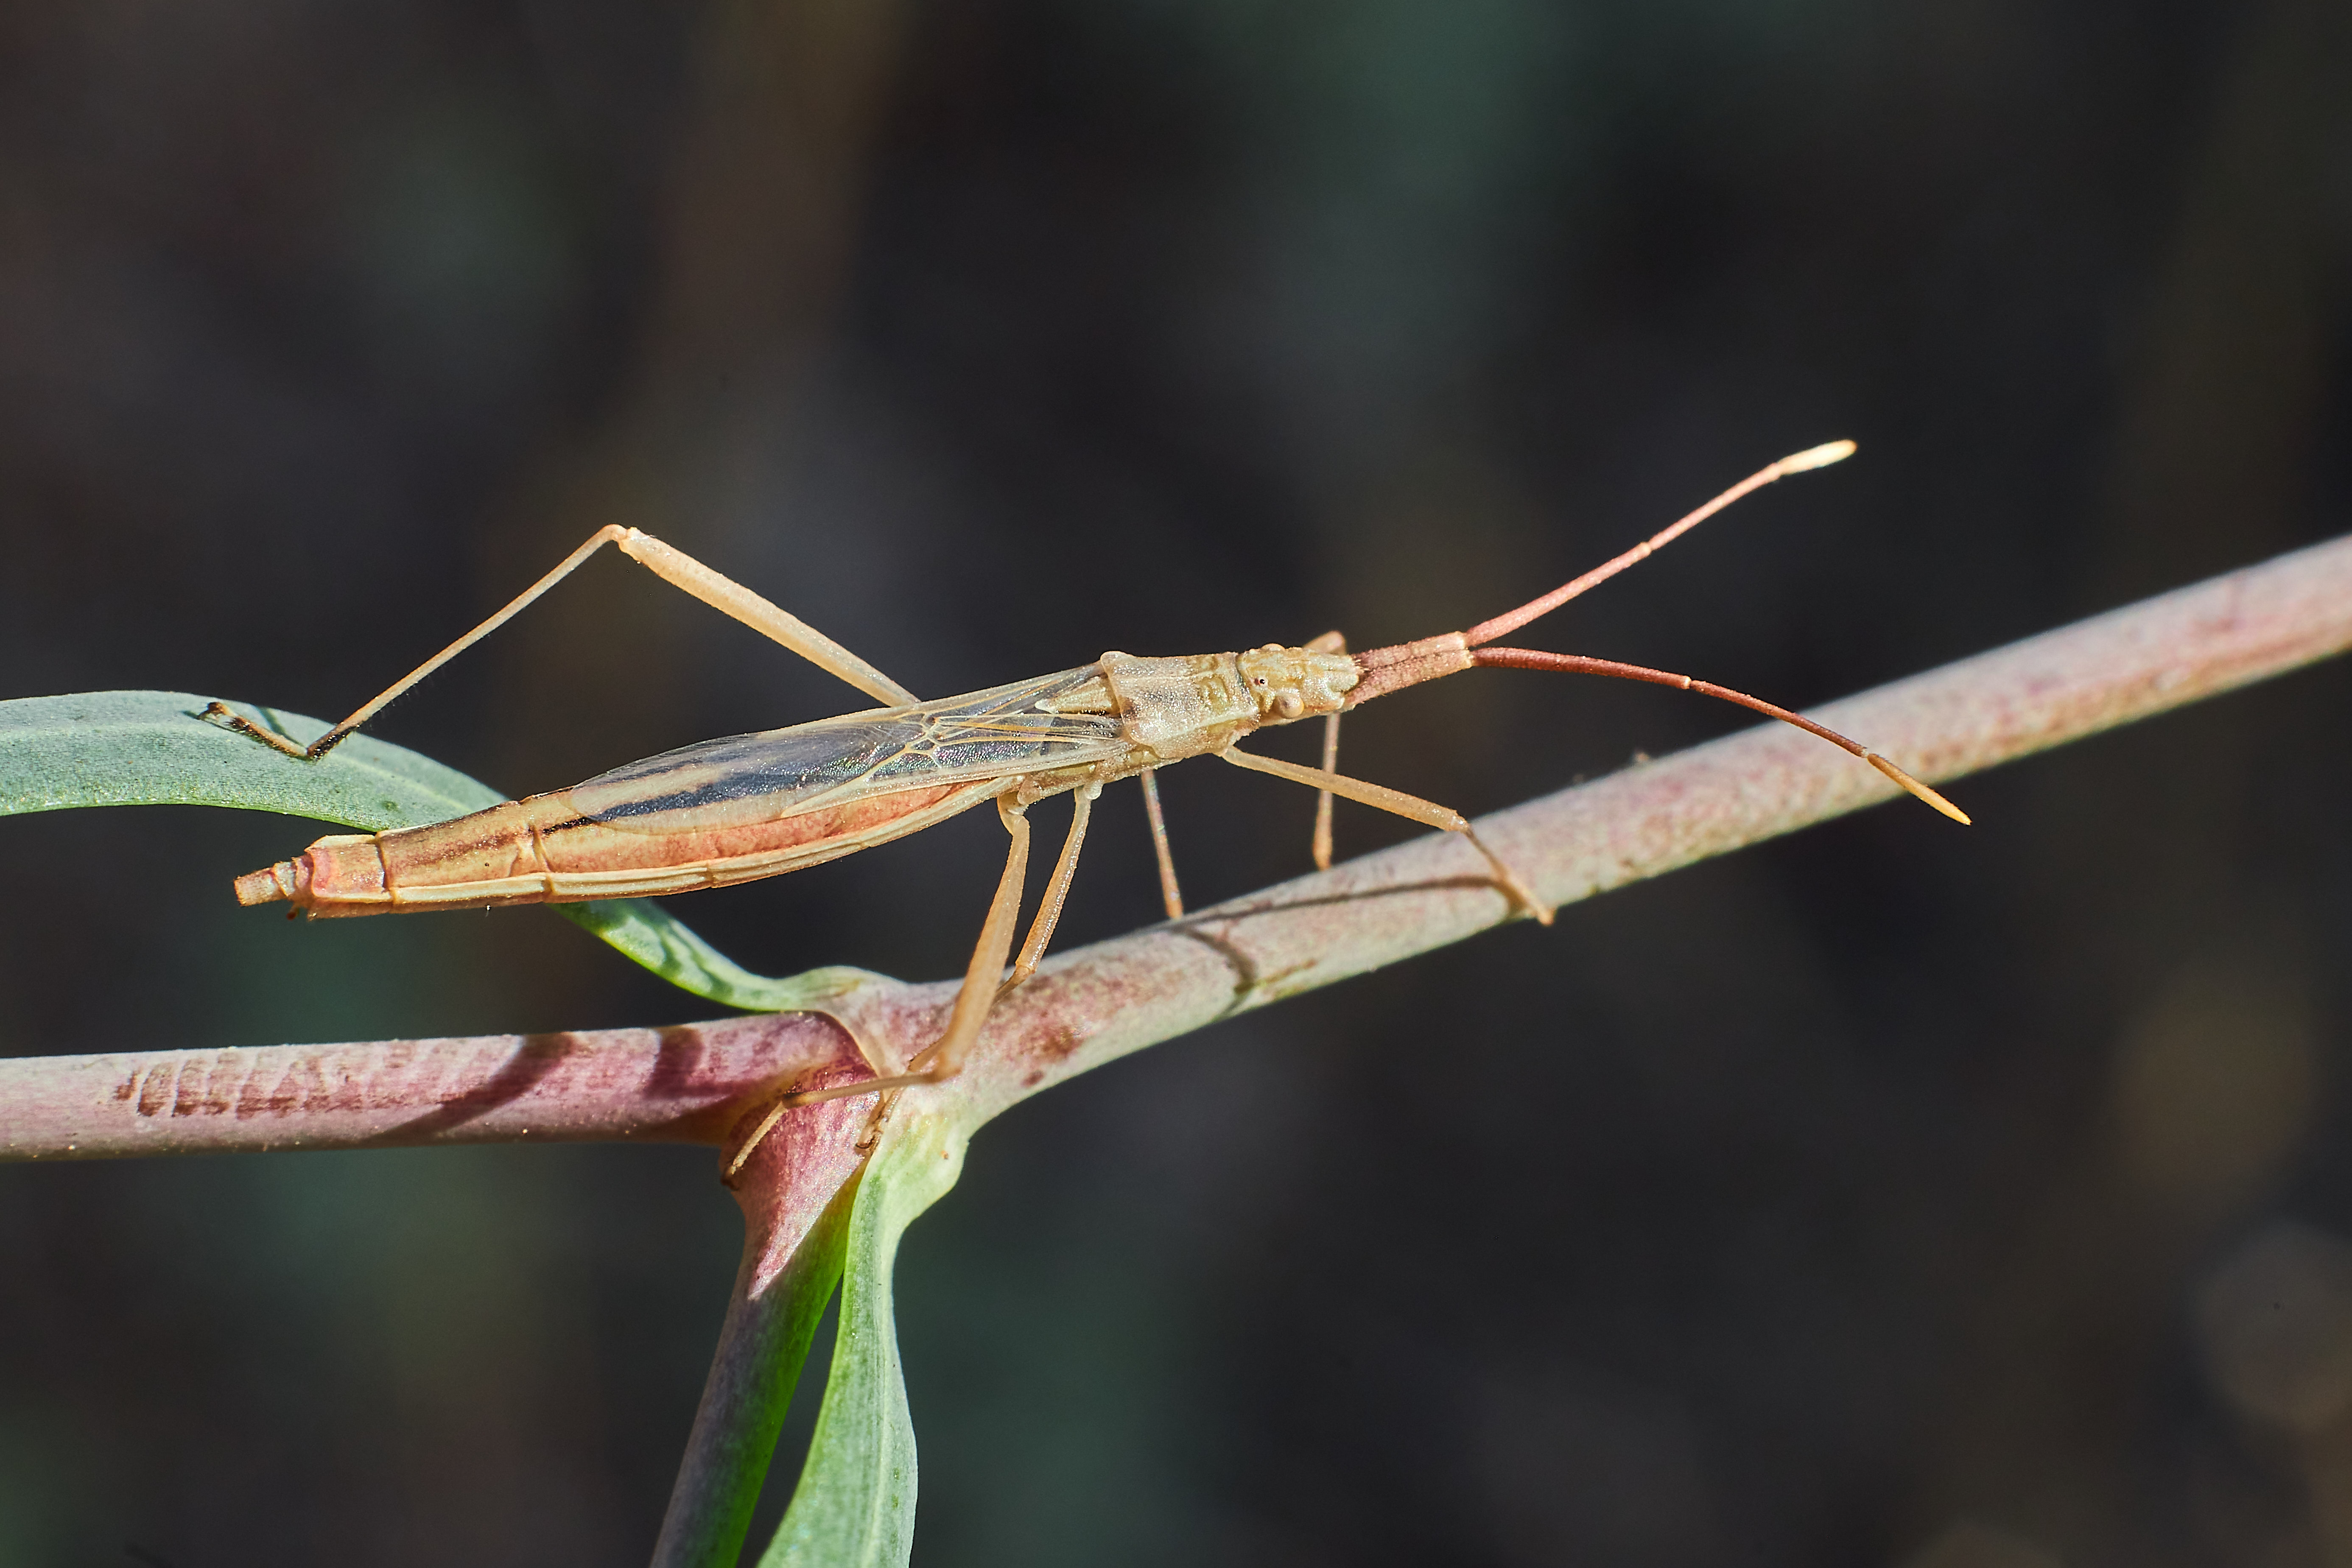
(227, 717)
(751, 1142)
(221, 714)
(1517, 890)
(759, 1135)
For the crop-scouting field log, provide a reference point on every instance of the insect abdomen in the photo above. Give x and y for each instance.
(541, 850)
(488, 858)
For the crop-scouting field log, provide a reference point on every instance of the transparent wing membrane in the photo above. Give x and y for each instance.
(742, 779)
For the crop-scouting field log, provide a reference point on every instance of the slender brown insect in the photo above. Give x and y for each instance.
(757, 806)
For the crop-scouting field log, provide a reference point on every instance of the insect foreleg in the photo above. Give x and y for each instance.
(1320, 845)
(673, 566)
(1330, 642)
(1410, 806)
(1171, 896)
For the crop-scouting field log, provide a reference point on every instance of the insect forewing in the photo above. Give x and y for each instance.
(741, 779)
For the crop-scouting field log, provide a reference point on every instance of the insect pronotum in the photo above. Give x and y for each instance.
(756, 806)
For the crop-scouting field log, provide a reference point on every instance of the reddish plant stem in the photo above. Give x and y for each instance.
(681, 1084)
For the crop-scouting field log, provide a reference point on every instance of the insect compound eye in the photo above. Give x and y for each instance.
(1289, 705)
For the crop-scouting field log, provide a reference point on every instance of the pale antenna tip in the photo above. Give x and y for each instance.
(1915, 787)
(1820, 457)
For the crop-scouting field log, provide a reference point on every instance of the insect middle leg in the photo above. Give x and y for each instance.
(1057, 891)
(666, 562)
(1171, 897)
(1410, 806)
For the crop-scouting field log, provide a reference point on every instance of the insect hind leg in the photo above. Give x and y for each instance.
(943, 1057)
(673, 566)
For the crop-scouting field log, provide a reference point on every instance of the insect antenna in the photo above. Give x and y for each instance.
(1386, 670)
(1577, 664)
(1820, 457)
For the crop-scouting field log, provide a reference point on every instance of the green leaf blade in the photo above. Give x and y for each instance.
(152, 748)
(855, 1505)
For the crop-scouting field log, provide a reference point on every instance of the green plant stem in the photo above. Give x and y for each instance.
(797, 1192)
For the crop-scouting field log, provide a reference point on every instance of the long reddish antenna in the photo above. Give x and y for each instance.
(1577, 664)
(1820, 457)
(1381, 670)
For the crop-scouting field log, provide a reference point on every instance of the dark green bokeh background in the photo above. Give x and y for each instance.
(1890, 1195)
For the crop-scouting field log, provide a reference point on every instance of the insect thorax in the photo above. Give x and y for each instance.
(1195, 703)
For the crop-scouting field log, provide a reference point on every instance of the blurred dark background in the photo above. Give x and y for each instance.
(1888, 1195)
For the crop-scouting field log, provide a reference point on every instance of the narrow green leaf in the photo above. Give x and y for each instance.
(760, 1355)
(150, 747)
(855, 1506)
